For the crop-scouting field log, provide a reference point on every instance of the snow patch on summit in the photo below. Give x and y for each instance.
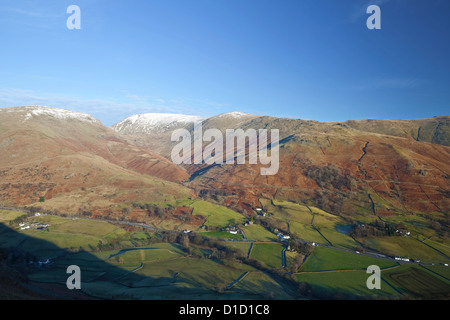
(62, 114)
(234, 114)
(155, 122)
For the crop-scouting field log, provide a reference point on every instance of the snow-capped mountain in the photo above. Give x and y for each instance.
(154, 122)
(29, 112)
(151, 123)
(233, 114)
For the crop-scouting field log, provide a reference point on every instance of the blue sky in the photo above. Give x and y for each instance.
(308, 59)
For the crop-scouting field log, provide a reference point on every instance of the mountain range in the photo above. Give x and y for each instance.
(70, 162)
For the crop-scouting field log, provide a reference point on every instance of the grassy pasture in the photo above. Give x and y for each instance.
(241, 246)
(257, 232)
(404, 246)
(300, 218)
(345, 284)
(65, 241)
(268, 253)
(7, 215)
(80, 233)
(221, 235)
(199, 274)
(160, 251)
(261, 286)
(163, 271)
(306, 232)
(217, 216)
(443, 246)
(326, 259)
(418, 282)
(441, 271)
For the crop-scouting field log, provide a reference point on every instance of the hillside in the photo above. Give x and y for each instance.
(153, 131)
(59, 159)
(338, 166)
(348, 195)
(70, 162)
(151, 123)
(435, 130)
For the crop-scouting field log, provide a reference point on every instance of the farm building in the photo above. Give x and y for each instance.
(402, 259)
(283, 237)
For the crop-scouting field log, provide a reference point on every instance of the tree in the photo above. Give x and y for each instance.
(183, 239)
(221, 287)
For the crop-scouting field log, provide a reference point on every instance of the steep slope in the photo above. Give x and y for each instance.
(435, 130)
(337, 167)
(74, 162)
(153, 131)
(341, 167)
(151, 123)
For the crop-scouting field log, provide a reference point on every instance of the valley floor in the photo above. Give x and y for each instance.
(142, 262)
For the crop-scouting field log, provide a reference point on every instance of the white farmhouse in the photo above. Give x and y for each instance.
(282, 236)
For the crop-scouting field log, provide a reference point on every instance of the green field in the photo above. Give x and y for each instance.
(221, 235)
(241, 246)
(306, 232)
(441, 245)
(326, 259)
(268, 253)
(160, 251)
(287, 211)
(158, 271)
(119, 264)
(345, 285)
(441, 271)
(257, 232)
(217, 216)
(418, 282)
(76, 234)
(342, 274)
(7, 215)
(309, 223)
(406, 247)
(171, 279)
(262, 286)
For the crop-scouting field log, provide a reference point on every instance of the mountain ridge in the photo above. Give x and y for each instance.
(73, 163)
(435, 129)
(335, 164)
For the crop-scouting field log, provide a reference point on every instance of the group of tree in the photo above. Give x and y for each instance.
(300, 246)
(329, 177)
(153, 209)
(376, 228)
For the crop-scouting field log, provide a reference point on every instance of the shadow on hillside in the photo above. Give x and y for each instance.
(39, 268)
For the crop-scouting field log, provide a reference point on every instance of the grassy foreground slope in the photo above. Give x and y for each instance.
(137, 264)
(338, 274)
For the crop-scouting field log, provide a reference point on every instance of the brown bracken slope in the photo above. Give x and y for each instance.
(74, 162)
(341, 169)
(400, 166)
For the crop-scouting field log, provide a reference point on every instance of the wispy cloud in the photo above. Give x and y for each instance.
(110, 111)
(31, 14)
(35, 13)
